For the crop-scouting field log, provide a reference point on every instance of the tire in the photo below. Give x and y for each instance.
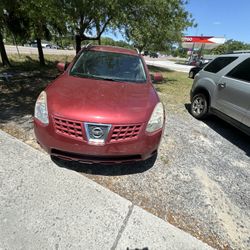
(191, 74)
(199, 106)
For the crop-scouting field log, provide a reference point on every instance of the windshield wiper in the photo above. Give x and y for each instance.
(92, 76)
(100, 77)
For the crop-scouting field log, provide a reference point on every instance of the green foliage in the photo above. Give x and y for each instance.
(149, 24)
(89, 20)
(230, 46)
(13, 21)
(110, 41)
(45, 17)
(155, 25)
(179, 52)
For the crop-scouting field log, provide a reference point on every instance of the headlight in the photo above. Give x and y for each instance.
(41, 109)
(156, 119)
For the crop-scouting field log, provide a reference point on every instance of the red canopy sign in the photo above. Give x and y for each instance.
(207, 42)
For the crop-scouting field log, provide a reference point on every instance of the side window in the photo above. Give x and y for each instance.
(241, 71)
(219, 63)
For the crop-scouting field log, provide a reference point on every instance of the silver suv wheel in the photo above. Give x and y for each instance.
(199, 106)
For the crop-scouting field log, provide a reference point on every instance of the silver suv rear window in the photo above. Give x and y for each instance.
(241, 71)
(219, 63)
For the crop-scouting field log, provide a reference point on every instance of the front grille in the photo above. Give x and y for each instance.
(74, 129)
(121, 133)
(68, 128)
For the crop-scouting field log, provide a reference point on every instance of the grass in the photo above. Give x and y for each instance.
(31, 62)
(174, 89)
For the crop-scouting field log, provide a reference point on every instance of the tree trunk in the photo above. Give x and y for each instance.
(78, 43)
(40, 52)
(4, 56)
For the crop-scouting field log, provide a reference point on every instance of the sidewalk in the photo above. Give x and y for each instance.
(43, 206)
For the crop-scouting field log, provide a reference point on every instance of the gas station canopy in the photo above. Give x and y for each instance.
(202, 42)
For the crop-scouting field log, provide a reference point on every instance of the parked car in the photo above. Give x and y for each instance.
(103, 108)
(193, 71)
(153, 55)
(223, 88)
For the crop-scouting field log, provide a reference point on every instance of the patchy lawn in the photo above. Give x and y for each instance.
(174, 89)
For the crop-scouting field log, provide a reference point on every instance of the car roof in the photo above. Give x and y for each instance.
(236, 54)
(113, 49)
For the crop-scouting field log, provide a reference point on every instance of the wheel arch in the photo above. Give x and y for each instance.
(204, 91)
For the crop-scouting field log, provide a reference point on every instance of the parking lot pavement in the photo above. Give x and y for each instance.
(43, 206)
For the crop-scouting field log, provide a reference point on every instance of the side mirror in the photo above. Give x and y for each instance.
(61, 66)
(156, 77)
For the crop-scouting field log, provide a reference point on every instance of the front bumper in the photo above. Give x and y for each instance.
(137, 149)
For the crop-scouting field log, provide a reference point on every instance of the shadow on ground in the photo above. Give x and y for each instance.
(20, 85)
(229, 132)
(106, 169)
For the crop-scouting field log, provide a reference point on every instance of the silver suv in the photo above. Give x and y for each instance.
(223, 88)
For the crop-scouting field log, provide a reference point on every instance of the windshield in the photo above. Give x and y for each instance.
(109, 66)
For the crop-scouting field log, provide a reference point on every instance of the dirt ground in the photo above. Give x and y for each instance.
(200, 180)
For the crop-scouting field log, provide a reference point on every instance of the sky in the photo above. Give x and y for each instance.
(223, 18)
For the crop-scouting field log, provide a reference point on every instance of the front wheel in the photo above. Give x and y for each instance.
(191, 74)
(199, 106)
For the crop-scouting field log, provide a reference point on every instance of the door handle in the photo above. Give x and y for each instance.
(222, 85)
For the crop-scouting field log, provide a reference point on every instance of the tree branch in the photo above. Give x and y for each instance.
(98, 36)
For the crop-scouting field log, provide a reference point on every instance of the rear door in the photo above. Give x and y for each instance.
(233, 93)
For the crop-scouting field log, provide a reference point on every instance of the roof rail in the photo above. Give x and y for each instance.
(240, 51)
(87, 46)
(138, 52)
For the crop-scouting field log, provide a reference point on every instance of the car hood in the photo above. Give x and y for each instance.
(100, 101)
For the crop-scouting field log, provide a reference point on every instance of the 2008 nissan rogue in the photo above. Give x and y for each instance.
(103, 108)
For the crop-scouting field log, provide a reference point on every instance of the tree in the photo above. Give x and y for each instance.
(156, 25)
(45, 18)
(12, 21)
(4, 57)
(88, 21)
(229, 46)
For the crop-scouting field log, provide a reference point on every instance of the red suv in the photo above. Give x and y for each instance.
(102, 108)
